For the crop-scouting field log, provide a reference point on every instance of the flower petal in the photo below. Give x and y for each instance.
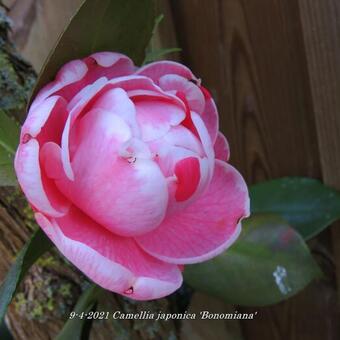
(46, 120)
(193, 94)
(117, 101)
(180, 143)
(109, 59)
(70, 73)
(206, 227)
(210, 114)
(221, 148)
(50, 159)
(156, 116)
(188, 176)
(124, 193)
(77, 74)
(115, 263)
(30, 177)
(158, 69)
(76, 106)
(82, 102)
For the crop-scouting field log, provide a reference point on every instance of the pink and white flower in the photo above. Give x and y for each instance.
(127, 173)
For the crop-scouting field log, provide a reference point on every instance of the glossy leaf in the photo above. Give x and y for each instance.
(152, 53)
(268, 263)
(157, 54)
(103, 25)
(75, 327)
(9, 138)
(34, 248)
(307, 204)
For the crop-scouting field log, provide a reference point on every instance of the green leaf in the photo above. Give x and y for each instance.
(9, 139)
(268, 263)
(102, 25)
(153, 54)
(37, 245)
(307, 204)
(75, 327)
(159, 53)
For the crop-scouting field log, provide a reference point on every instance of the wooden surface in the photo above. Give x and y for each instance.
(321, 29)
(274, 69)
(261, 59)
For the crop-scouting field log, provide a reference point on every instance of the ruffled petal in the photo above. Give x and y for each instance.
(210, 114)
(77, 74)
(158, 69)
(113, 262)
(193, 94)
(156, 116)
(206, 142)
(46, 120)
(178, 144)
(116, 100)
(50, 159)
(206, 227)
(182, 137)
(70, 73)
(125, 193)
(76, 107)
(34, 183)
(87, 97)
(221, 148)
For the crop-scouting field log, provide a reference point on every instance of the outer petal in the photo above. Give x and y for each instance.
(221, 147)
(160, 68)
(29, 175)
(53, 108)
(70, 73)
(77, 74)
(115, 263)
(206, 227)
(210, 115)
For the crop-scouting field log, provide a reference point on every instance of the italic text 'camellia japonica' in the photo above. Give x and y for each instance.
(127, 173)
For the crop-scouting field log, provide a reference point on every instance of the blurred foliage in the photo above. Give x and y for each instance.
(269, 262)
(45, 294)
(75, 326)
(308, 205)
(9, 137)
(34, 248)
(17, 77)
(16, 81)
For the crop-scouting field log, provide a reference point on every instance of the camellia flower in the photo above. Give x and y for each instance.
(127, 173)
